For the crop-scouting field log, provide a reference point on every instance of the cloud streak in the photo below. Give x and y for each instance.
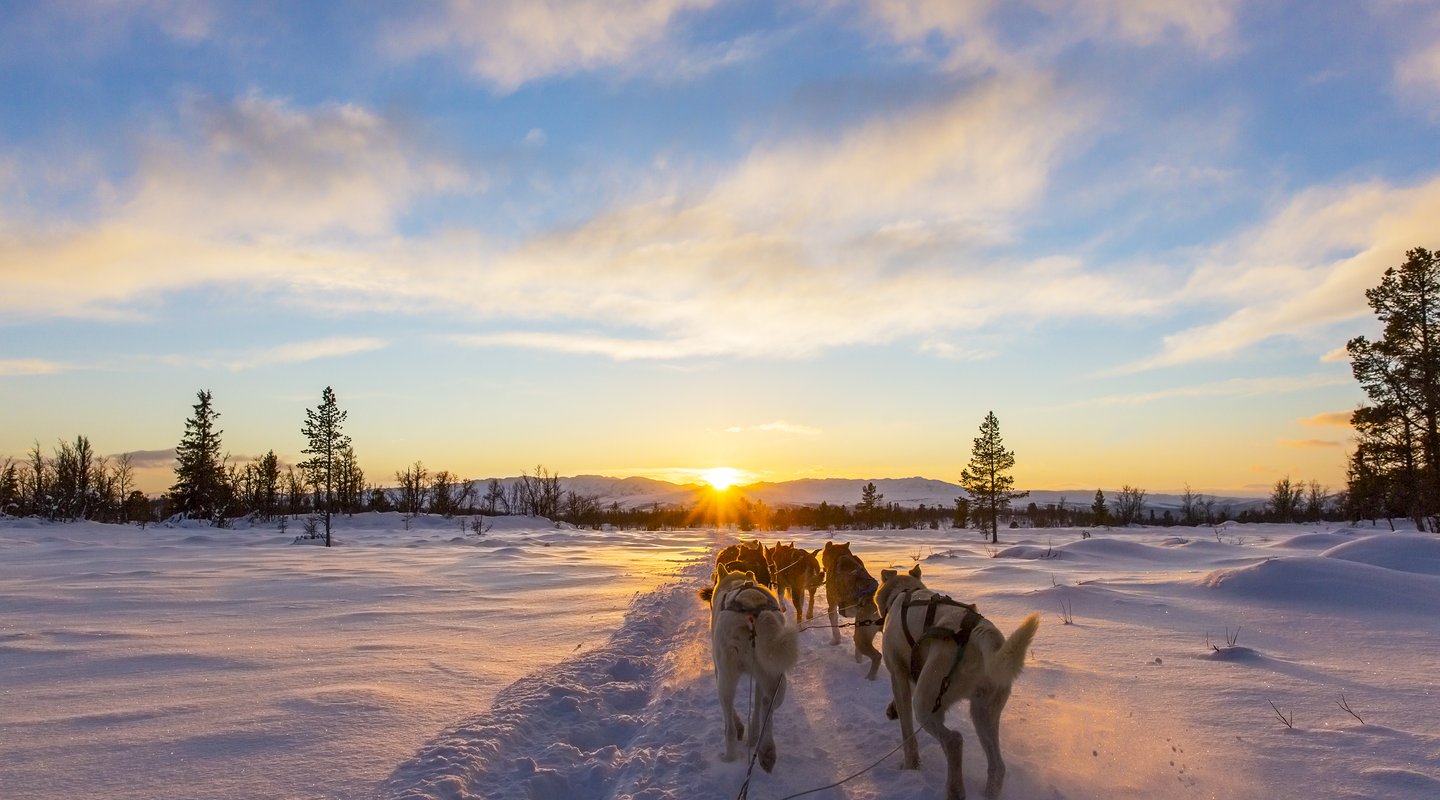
(14, 367)
(778, 426)
(508, 43)
(973, 37)
(1234, 387)
(1305, 268)
(1329, 419)
(301, 352)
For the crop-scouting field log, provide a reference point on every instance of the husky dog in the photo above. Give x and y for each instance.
(850, 592)
(748, 634)
(939, 652)
(795, 572)
(747, 556)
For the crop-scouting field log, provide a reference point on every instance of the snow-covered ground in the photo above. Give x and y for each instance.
(542, 663)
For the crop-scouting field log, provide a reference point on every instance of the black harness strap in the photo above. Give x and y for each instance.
(732, 600)
(960, 637)
(732, 603)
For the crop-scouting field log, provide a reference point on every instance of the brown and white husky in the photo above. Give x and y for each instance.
(749, 635)
(850, 592)
(939, 652)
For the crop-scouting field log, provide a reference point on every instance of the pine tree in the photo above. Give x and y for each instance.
(1100, 511)
(322, 429)
(267, 486)
(9, 487)
(200, 486)
(868, 509)
(986, 480)
(1399, 434)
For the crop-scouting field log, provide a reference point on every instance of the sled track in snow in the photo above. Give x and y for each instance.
(568, 731)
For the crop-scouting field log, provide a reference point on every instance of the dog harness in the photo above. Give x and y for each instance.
(960, 637)
(732, 603)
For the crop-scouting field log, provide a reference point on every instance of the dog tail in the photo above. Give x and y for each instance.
(707, 593)
(777, 644)
(1009, 660)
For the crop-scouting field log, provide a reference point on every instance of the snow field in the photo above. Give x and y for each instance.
(542, 663)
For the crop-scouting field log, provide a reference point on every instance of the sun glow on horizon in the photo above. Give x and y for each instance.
(722, 478)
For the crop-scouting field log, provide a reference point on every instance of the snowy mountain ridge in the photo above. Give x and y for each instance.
(910, 492)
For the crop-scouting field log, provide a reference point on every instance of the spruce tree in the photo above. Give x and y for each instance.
(1399, 433)
(327, 443)
(200, 487)
(1099, 509)
(986, 480)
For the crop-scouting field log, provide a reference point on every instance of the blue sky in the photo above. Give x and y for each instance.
(815, 238)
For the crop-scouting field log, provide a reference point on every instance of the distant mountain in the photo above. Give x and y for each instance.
(908, 492)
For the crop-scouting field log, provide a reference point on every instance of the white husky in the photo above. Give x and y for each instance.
(749, 634)
(940, 652)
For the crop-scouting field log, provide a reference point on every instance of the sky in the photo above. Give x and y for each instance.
(818, 238)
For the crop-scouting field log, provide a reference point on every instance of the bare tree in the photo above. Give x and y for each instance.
(1316, 497)
(540, 494)
(413, 488)
(495, 498)
(1285, 499)
(1128, 505)
(124, 473)
(1190, 505)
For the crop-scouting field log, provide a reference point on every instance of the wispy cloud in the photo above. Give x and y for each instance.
(1305, 268)
(1309, 444)
(150, 459)
(288, 353)
(10, 367)
(507, 43)
(1417, 70)
(1231, 387)
(793, 250)
(1329, 419)
(1336, 356)
(971, 36)
(301, 186)
(301, 352)
(89, 28)
(582, 344)
(778, 426)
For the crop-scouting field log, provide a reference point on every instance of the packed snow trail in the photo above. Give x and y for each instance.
(638, 719)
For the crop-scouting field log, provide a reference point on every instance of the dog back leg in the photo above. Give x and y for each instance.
(833, 607)
(769, 693)
(900, 707)
(951, 743)
(865, 646)
(985, 708)
(726, 680)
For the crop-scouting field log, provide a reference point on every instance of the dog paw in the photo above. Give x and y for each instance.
(767, 757)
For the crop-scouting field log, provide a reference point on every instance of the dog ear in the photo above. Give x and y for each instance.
(721, 571)
(887, 575)
(915, 571)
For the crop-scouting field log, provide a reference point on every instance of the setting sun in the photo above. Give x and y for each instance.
(722, 478)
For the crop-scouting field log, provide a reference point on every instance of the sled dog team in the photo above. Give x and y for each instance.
(938, 651)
